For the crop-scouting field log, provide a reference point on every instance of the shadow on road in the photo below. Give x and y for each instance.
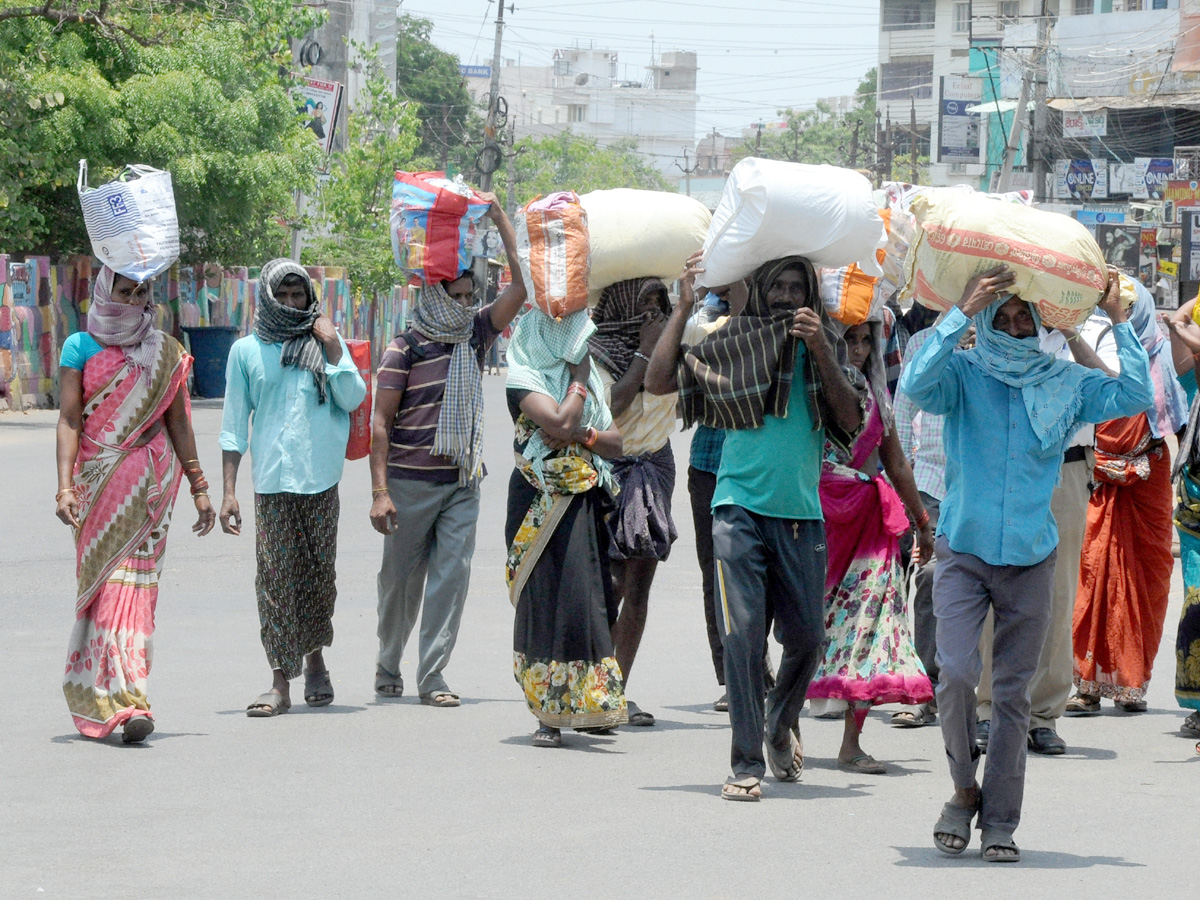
(570, 741)
(771, 790)
(114, 739)
(1093, 753)
(929, 857)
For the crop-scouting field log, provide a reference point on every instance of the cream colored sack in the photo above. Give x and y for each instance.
(1058, 265)
(636, 234)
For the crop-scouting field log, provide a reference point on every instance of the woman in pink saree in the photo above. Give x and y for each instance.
(125, 441)
(869, 656)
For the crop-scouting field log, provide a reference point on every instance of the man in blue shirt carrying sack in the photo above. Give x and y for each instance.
(1010, 411)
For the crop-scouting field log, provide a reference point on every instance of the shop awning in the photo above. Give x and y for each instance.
(1095, 104)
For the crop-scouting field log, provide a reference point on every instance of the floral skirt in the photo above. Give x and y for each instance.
(562, 644)
(1187, 639)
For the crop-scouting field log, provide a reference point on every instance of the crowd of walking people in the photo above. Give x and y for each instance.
(968, 514)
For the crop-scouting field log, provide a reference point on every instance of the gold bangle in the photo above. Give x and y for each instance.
(58, 496)
(379, 490)
(186, 461)
(199, 494)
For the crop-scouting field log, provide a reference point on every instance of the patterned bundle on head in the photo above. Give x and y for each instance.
(121, 325)
(275, 323)
(460, 423)
(618, 320)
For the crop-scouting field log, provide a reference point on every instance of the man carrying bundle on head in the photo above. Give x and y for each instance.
(294, 378)
(1010, 411)
(426, 463)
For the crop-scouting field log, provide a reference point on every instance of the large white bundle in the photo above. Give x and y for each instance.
(771, 209)
(131, 221)
(637, 234)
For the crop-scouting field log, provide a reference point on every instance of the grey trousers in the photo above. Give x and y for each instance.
(756, 558)
(964, 589)
(427, 557)
(924, 621)
(1051, 685)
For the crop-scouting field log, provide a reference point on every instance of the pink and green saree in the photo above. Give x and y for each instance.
(126, 479)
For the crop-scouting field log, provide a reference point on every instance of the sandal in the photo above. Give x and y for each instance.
(722, 704)
(136, 729)
(786, 765)
(440, 698)
(863, 764)
(638, 717)
(318, 689)
(746, 789)
(387, 685)
(1132, 706)
(547, 736)
(267, 705)
(1191, 725)
(1083, 705)
(955, 821)
(995, 839)
(916, 717)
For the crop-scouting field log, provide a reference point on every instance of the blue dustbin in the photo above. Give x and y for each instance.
(210, 348)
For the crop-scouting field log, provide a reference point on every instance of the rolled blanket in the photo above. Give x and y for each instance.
(641, 526)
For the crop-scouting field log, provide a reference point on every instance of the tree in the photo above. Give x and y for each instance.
(197, 92)
(571, 162)
(354, 205)
(450, 123)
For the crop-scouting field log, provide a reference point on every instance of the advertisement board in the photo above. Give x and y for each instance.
(958, 130)
(1081, 179)
(319, 102)
(1085, 125)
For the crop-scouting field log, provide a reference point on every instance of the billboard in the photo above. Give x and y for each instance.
(958, 130)
(1080, 179)
(1153, 174)
(319, 103)
(1085, 125)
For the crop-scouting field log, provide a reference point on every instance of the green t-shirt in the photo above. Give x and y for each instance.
(774, 470)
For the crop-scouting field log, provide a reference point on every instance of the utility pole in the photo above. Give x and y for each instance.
(854, 144)
(1014, 134)
(758, 137)
(912, 133)
(512, 175)
(489, 128)
(1037, 140)
(687, 172)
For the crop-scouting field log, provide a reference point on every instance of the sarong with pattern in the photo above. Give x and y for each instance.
(125, 486)
(296, 582)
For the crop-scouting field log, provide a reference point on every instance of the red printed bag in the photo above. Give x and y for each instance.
(359, 444)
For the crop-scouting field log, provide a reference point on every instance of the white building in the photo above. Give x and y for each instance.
(581, 91)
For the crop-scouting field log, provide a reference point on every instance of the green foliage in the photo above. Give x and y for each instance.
(450, 123)
(571, 162)
(351, 223)
(197, 92)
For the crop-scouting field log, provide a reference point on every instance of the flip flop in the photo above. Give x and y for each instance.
(387, 685)
(1191, 725)
(995, 839)
(786, 765)
(136, 729)
(1083, 705)
(746, 789)
(863, 764)
(956, 822)
(318, 689)
(721, 704)
(440, 698)
(547, 737)
(268, 705)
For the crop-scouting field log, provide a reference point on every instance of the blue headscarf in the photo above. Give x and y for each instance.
(1049, 386)
(1170, 410)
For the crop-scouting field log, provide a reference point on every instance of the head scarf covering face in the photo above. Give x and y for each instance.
(618, 319)
(874, 370)
(1049, 386)
(130, 327)
(275, 323)
(459, 434)
(539, 356)
(1170, 412)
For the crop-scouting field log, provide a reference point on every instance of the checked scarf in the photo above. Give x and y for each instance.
(275, 323)
(619, 321)
(460, 423)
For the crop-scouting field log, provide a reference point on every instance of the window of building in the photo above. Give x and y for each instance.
(905, 15)
(902, 79)
(1008, 10)
(1083, 7)
(962, 18)
(577, 113)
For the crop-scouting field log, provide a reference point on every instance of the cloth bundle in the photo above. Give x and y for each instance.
(433, 224)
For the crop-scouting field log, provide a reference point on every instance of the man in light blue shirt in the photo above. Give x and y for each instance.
(294, 379)
(1010, 411)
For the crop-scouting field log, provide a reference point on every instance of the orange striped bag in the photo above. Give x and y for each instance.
(554, 253)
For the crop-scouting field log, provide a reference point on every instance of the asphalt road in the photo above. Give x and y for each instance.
(393, 799)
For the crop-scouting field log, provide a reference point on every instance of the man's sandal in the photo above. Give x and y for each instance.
(268, 705)
(787, 764)
(995, 839)
(387, 685)
(745, 789)
(917, 717)
(440, 698)
(318, 689)
(955, 821)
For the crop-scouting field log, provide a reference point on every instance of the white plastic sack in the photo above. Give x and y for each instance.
(641, 234)
(771, 209)
(131, 221)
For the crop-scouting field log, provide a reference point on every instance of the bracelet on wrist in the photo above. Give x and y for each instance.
(196, 494)
(578, 390)
(923, 519)
(199, 487)
(59, 495)
(638, 354)
(592, 435)
(381, 490)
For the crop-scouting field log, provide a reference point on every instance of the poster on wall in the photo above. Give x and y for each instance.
(1081, 179)
(319, 103)
(1093, 217)
(1148, 258)
(958, 130)
(1121, 245)
(1153, 173)
(1191, 247)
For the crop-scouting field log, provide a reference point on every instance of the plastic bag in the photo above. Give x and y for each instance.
(359, 444)
(771, 209)
(433, 224)
(553, 250)
(641, 234)
(131, 221)
(1057, 263)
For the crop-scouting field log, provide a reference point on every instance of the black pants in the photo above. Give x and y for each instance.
(760, 559)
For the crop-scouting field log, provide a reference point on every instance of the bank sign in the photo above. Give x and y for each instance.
(1081, 179)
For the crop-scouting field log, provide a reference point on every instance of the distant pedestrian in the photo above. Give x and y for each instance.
(290, 387)
(125, 443)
